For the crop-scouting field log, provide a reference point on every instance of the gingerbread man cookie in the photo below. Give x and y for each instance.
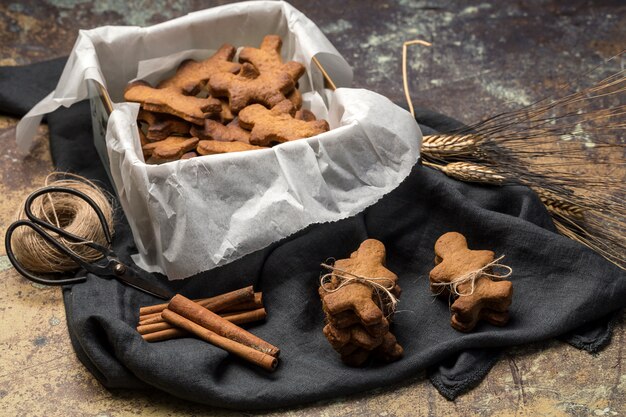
(204, 98)
(352, 337)
(249, 87)
(170, 100)
(232, 132)
(388, 351)
(267, 58)
(490, 301)
(356, 297)
(212, 147)
(192, 75)
(480, 297)
(226, 115)
(169, 149)
(189, 155)
(356, 326)
(161, 125)
(349, 318)
(272, 126)
(295, 97)
(306, 115)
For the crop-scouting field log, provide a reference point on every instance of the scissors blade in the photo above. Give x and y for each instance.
(131, 277)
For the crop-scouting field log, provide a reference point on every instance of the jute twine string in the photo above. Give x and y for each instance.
(471, 277)
(387, 302)
(67, 212)
(405, 80)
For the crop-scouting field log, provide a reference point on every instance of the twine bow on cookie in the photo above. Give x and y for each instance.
(472, 276)
(387, 302)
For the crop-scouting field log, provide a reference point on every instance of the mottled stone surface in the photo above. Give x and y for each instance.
(486, 57)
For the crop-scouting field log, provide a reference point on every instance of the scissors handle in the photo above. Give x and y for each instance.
(23, 271)
(62, 232)
(40, 226)
(108, 265)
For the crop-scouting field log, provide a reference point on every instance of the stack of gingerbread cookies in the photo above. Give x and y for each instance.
(464, 278)
(357, 313)
(219, 106)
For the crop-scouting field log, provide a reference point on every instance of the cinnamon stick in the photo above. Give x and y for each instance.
(257, 303)
(217, 303)
(241, 317)
(154, 327)
(166, 334)
(247, 305)
(150, 319)
(209, 320)
(257, 357)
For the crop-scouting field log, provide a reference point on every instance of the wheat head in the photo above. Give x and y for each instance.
(441, 146)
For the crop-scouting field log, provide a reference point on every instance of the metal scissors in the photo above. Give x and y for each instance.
(108, 265)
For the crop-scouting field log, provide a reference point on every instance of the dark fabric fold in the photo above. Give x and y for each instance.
(21, 87)
(560, 288)
(464, 371)
(593, 336)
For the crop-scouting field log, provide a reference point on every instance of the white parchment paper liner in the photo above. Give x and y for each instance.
(193, 215)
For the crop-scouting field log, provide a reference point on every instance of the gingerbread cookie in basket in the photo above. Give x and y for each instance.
(219, 106)
(358, 298)
(467, 276)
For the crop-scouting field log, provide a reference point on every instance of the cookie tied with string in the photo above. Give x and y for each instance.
(467, 276)
(359, 284)
(359, 296)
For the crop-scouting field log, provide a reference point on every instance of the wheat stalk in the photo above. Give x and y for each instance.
(443, 145)
(601, 235)
(468, 172)
(569, 148)
(559, 206)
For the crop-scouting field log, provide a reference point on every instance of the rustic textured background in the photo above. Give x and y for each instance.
(486, 57)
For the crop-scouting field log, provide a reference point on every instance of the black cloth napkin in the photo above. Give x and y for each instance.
(561, 289)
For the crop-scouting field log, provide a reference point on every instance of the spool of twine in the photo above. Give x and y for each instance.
(67, 212)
